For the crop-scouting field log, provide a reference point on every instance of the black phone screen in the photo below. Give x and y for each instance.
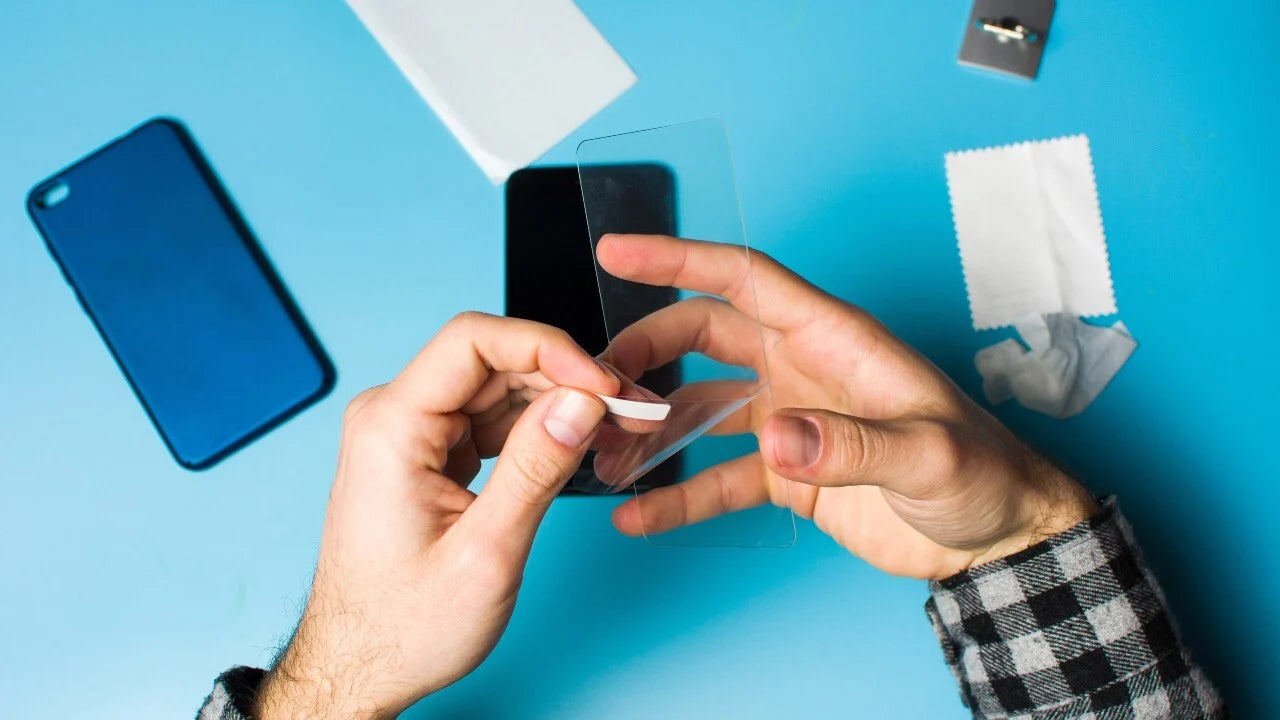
(551, 275)
(550, 269)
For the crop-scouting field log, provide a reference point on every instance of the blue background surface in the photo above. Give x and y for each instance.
(128, 583)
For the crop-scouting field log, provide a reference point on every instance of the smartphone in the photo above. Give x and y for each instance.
(181, 293)
(551, 271)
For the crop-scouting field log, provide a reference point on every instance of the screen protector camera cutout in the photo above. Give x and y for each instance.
(696, 379)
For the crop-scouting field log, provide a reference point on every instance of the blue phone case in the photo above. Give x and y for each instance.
(171, 276)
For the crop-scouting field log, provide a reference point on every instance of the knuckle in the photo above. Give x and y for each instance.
(469, 316)
(680, 518)
(724, 490)
(357, 409)
(860, 320)
(464, 322)
(555, 335)
(761, 257)
(759, 261)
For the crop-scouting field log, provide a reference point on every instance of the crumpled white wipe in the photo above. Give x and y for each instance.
(1068, 364)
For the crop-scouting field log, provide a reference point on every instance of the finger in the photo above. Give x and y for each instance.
(504, 385)
(703, 325)
(730, 271)
(461, 358)
(738, 484)
(828, 449)
(492, 427)
(545, 447)
(362, 399)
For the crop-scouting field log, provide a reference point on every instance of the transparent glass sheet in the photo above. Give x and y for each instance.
(679, 180)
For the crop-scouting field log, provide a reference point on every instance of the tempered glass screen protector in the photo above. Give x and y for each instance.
(706, 434)
(180, 292)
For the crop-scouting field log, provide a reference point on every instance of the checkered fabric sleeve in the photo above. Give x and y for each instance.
(1073, 627)
(233, 695)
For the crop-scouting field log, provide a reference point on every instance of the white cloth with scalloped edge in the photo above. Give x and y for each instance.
(1030, 231)
(1068, 364)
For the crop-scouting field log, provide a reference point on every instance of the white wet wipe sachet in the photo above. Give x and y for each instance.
(510, 79)
(1030, 231)
(1067, 365)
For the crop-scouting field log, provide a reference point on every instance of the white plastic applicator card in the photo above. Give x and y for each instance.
(510, 78)
(1030, 231)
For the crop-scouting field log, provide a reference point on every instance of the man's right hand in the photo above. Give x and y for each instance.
(418, 575)
(876, 444)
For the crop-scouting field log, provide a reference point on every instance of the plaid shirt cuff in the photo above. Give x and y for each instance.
(233, 695)
(1073, 627)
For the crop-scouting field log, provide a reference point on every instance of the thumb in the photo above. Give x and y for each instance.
(541, 453)
(828, 449)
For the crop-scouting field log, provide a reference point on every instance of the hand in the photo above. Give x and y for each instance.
(417, 576)
(874, 443)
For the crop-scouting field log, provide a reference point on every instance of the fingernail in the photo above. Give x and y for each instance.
(796, 442)
(573, 417)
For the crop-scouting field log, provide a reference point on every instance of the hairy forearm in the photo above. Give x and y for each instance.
(327, 671)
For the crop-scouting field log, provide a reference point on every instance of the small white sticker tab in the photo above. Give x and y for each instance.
(637, 409)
